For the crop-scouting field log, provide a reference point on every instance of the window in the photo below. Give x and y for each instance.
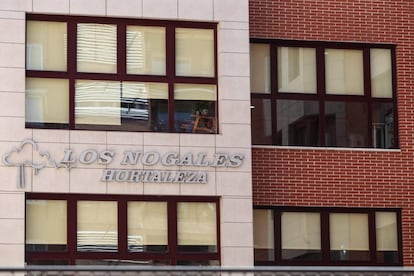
(322, 236)
(121, 74)
(92, 229)
(323, 94)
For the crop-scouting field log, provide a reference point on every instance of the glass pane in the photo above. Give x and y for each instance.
(383, 125)
(296, 69)
(195, 108)
(47, 262)
(197, 227)
(386, 227)
(263, 235)
(259, 68)
(47, 100)
(144, 106)
(122, 262)
(96, 48)
(194, 52)
(46, 225)
(297, 123)
(301, 236)
(349, 237)
(261, 122)
(199, 263)
(344, 72)
(46, 46)
(97, 226)
(346, 124)
(147, 227)
(146, 50)
(387, 237)
(97, 102)
(381, 73)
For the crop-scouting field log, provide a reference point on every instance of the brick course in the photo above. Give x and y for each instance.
(342, 177)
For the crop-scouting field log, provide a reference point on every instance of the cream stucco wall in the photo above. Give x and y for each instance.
(232, 185)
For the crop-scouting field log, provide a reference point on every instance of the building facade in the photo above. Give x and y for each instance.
(208, 132)
(332, 163)
(120, 139)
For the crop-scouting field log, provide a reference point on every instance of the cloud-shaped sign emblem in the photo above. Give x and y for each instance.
(12, 157)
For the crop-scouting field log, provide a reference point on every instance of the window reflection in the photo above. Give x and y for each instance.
(297, 123)
(346, 124)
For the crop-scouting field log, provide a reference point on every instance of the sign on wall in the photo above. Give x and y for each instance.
(28, 154)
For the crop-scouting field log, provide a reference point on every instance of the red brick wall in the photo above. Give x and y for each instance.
(327, 177)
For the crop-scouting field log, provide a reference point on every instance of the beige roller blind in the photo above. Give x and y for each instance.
(46, 222)
(381, 75)
(146, 50)
(47, 100)
(263, 229)
(301, 230)
(96, 48)
(46, 46)
(97, 223)
(344, 72)
(349, 231)
(97, 102)
(296, 69)
(196, 223)
(194, 52)
(260, 68)
(386, 228)
(202, 92)
(145, 90)
(147, 223)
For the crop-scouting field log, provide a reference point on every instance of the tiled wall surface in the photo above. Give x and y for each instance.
(232, 185)
(342, 177)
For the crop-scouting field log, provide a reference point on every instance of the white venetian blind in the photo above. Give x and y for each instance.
(197, 223)
(147, 223)
(349, 231)
(203, 92)
(381, 75)
(47, 100)
(146, 50)
(344, 72)
(46, 44)
(96, 48)
(145, 90)
(97, 102)
(263, 230)
(46, 222)
(296, 69)
(259, 68)
(194, 52)
(97, 223)
(301, 230)
(386, 228)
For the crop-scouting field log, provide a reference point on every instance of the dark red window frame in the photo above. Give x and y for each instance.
(325, 235)
(172, 257)
(321, 97)
(170, 77)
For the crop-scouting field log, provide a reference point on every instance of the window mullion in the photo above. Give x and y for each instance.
(71, 70)
(170, 71)
(321, 87)
(72, 225)
(372, 236)
(367, 94)
(325, 237)
(121, 51)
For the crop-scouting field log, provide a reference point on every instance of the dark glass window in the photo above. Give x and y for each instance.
(93, 229)
(323, 94)
(120, 74)
(327, 236)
